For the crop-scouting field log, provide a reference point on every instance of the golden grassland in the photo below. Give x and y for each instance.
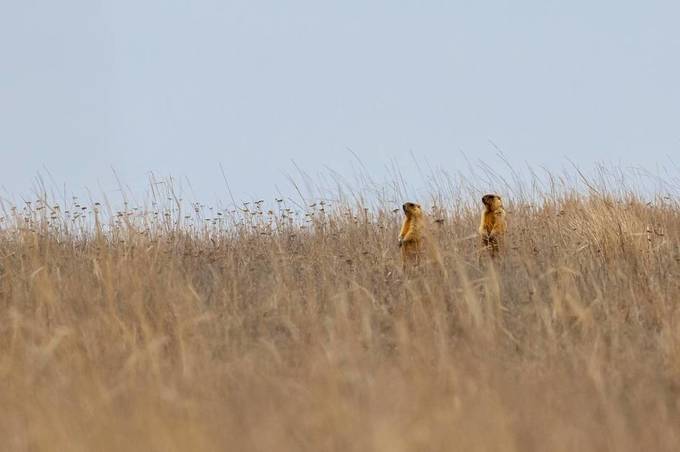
(295, 329)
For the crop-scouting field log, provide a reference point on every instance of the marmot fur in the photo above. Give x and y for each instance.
(412, 234)
(492, 226)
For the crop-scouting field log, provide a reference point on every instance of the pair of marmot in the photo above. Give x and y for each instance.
(492, 227)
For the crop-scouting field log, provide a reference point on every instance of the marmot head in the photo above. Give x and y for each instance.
(492, 202)
(412, 209)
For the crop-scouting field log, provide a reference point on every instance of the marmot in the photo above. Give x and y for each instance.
(412, 235)
(492, 226)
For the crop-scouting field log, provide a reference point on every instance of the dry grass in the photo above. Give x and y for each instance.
(144, 330)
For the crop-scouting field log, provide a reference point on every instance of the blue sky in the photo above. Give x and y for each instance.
(180, 87)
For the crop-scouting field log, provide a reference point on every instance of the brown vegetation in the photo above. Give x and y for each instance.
(144, 330)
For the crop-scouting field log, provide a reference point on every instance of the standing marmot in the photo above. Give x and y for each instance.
(412, 235)
(493, 225)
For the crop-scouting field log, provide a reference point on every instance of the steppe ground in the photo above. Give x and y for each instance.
(289, 326)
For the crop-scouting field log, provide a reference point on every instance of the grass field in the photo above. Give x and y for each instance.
(283, 327)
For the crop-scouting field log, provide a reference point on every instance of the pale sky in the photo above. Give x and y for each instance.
(178, 87)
